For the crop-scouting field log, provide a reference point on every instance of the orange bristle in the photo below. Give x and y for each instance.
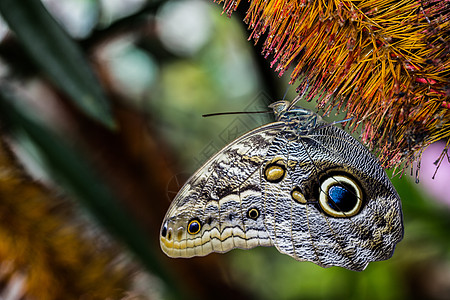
(385, 62)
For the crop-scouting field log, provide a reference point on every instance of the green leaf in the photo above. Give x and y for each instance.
(57, 55)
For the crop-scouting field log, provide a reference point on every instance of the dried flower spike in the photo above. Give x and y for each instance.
(385, 62)
(44, 252)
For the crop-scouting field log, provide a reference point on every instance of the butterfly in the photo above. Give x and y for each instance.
(300, 184)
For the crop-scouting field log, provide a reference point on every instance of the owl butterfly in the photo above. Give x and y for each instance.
(299, 184)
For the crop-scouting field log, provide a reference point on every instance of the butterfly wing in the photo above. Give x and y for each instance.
(305, 227)
(213, 210)
(318, 196)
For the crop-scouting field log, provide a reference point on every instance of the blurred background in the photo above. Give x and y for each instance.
(161, 65)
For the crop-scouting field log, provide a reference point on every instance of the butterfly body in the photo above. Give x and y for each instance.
(299, 184)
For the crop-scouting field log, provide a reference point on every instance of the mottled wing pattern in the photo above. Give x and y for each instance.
(303, 230)
(218, 196)
(300, 184)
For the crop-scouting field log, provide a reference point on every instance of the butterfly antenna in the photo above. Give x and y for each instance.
(299, 97)
(334, 123)
(237, 113)
(285, 93)
(341, 121)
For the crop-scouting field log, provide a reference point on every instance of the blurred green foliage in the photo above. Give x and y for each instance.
(57, 55)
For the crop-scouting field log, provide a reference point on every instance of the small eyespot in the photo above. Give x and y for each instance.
(194, 226)
(275, 171)
(298, 196)
(164, 230)
(253, 213)
(340, 196)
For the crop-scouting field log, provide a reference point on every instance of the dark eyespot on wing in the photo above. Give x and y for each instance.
(341, 198)
(164, 230)
(253, 213)
(194, 226)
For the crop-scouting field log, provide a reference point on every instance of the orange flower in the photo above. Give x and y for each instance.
(385, 62)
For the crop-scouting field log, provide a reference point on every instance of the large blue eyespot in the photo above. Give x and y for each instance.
(340, 196)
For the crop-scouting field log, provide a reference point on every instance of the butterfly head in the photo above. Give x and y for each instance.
(279, 108)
